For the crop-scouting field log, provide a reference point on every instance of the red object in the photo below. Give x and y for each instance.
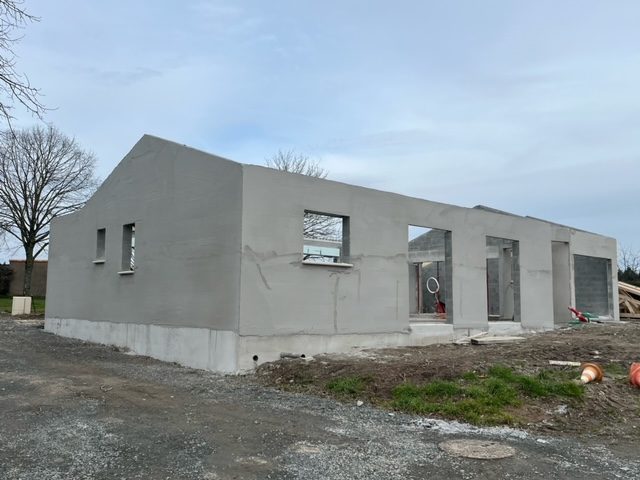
(634, 374)
(578, 314)
(440, 306)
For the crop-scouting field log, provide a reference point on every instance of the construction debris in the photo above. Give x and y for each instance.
(629, 300)
(466, 340)
(563, 363)
(292, 355)
(492, 340)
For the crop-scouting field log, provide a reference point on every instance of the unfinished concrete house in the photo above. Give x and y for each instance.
(188, 257)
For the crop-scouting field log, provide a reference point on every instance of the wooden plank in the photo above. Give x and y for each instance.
(630, 315)
(492, 340)
(563, 363)
(629, 288)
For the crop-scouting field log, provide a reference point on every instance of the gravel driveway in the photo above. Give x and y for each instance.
(75, 410)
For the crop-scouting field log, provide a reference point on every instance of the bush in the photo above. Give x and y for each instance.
(5, 278)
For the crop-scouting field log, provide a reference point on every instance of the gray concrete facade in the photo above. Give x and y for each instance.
(220, 282)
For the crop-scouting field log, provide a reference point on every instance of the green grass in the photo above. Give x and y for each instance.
(37, 305)
(348, 386)
(483, 400)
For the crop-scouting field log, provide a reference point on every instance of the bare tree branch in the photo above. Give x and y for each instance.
(316, 227)
(628, 259)
(15, 87)
(43, 174)
(294, 162)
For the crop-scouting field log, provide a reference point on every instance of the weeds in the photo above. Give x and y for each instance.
(348, 386)
(483, 400)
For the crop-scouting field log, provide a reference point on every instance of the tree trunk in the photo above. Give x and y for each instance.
(28, 271)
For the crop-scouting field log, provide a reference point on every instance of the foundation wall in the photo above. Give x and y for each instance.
(194, 347)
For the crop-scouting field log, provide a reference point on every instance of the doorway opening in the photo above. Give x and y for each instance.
(503, 279)
(430, 285)
(594, 290)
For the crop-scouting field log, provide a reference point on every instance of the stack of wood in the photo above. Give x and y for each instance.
(629, 298)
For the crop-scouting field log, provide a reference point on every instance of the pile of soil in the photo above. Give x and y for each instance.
(610, 408)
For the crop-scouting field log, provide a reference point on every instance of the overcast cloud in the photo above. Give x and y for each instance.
(529, 107)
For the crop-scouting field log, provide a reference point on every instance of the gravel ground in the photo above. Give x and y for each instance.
(75, 410)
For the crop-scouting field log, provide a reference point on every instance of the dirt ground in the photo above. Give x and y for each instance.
(610, 409)
(75, 410)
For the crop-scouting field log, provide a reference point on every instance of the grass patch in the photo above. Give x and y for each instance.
(37, 304)
(483, 400)
(348, 386)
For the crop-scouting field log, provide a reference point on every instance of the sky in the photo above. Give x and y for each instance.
(528, 107)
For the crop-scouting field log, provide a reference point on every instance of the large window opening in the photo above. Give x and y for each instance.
(129, 247)
(593, 285)
(326, 238)
(430, 285)
(503, 279)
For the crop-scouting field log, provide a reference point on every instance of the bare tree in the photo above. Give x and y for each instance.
(628, 259)
(43, 174)
(14, 86)
(315, 226)
(295, 162)
(628, 265)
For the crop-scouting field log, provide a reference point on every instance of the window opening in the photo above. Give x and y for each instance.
(129, 247)
(100, 243)
(326, 238)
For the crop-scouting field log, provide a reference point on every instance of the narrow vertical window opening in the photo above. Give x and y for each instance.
(100, 243)
(129, 247)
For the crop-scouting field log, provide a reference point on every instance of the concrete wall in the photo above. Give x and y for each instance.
(187, 209)
(591, 245)
(282, 296)
(562, 282)
(219, 277)
(38, 279)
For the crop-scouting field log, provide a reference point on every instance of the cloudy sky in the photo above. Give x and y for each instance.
(529, 107)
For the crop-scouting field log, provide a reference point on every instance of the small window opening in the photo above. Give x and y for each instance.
(100, 243)
(326, 238)
(129, 247)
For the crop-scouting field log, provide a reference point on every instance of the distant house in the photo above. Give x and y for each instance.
(38, 278)
(188, 257)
